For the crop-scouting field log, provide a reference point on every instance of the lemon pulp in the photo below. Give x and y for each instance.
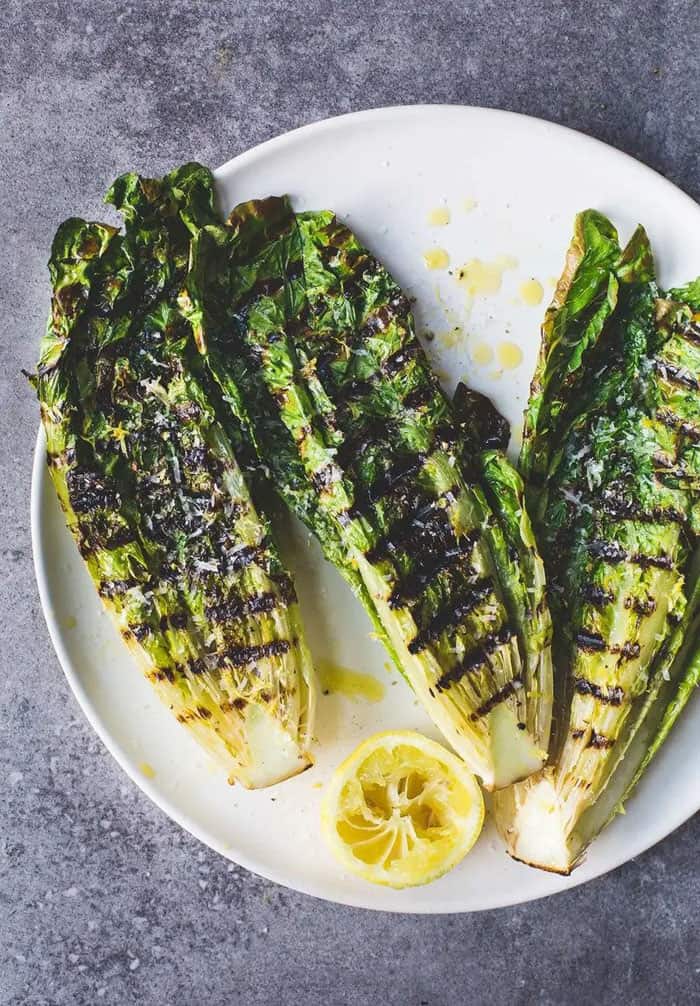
(402, 810)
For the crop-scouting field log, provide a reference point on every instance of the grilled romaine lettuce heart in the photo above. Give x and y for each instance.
(313, 345)
(611, 452)
(153, 493)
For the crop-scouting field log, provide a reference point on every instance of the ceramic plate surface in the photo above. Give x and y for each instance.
(508, 187)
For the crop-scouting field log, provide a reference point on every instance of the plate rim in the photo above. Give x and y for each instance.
(38, 482)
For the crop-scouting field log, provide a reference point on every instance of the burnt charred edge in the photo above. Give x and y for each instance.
(671, 470)
(239, 656)
(691, 332)
(577, 734)
(590, 642)
(422, 395)
(286, 588)
(389, 480)
(354, 390)
(398, 360)
(325, 477)
(162, 674)
(95, 535)
(88, 491)
(676, 375)
(114, 588)
(510, 688)
(139, 630)
(600, 741)
(451, 616)
(597, 596)
(476, 658)
(360, 441)
(237, 607)
(678, 424)
(266, 286)
(611, 695)
(380, 319)
(198, 666)
(416, 582)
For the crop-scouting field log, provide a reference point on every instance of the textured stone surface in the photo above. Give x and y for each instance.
(102, 899)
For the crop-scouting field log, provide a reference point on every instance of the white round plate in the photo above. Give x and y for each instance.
(384, 172)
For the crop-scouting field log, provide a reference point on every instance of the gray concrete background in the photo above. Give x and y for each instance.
(102, 898)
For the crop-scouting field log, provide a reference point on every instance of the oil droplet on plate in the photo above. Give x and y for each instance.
(70, 622)
(352, 684)
(436, 258)
(439, 217)
(531, 292)
(509, 355)
(450, 338)
(484, 277)
(147, 770)
(469, 204)
(481, 353)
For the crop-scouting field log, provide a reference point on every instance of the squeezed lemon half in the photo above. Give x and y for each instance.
(401, 810)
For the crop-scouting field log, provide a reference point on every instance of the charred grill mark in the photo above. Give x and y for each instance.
(416, 582)
(198, 666)
(642, 606)
(510, 688)
(600, 741)
(243, 557)
(597, 596)
(654, 561)
(237, 607)
(622, 509)
(88, 491)
(140, 630)
(612, 695)
(162, 674)
(674, 422)
(611, 552)
(629, 651)
(401, 470)
(477, 657)
(113, 588)
(450, 617)
(239, 656)
(201, 713)
(607, 551)
(591, 642)
(676, 375)
(398, 360)
(403, 531)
